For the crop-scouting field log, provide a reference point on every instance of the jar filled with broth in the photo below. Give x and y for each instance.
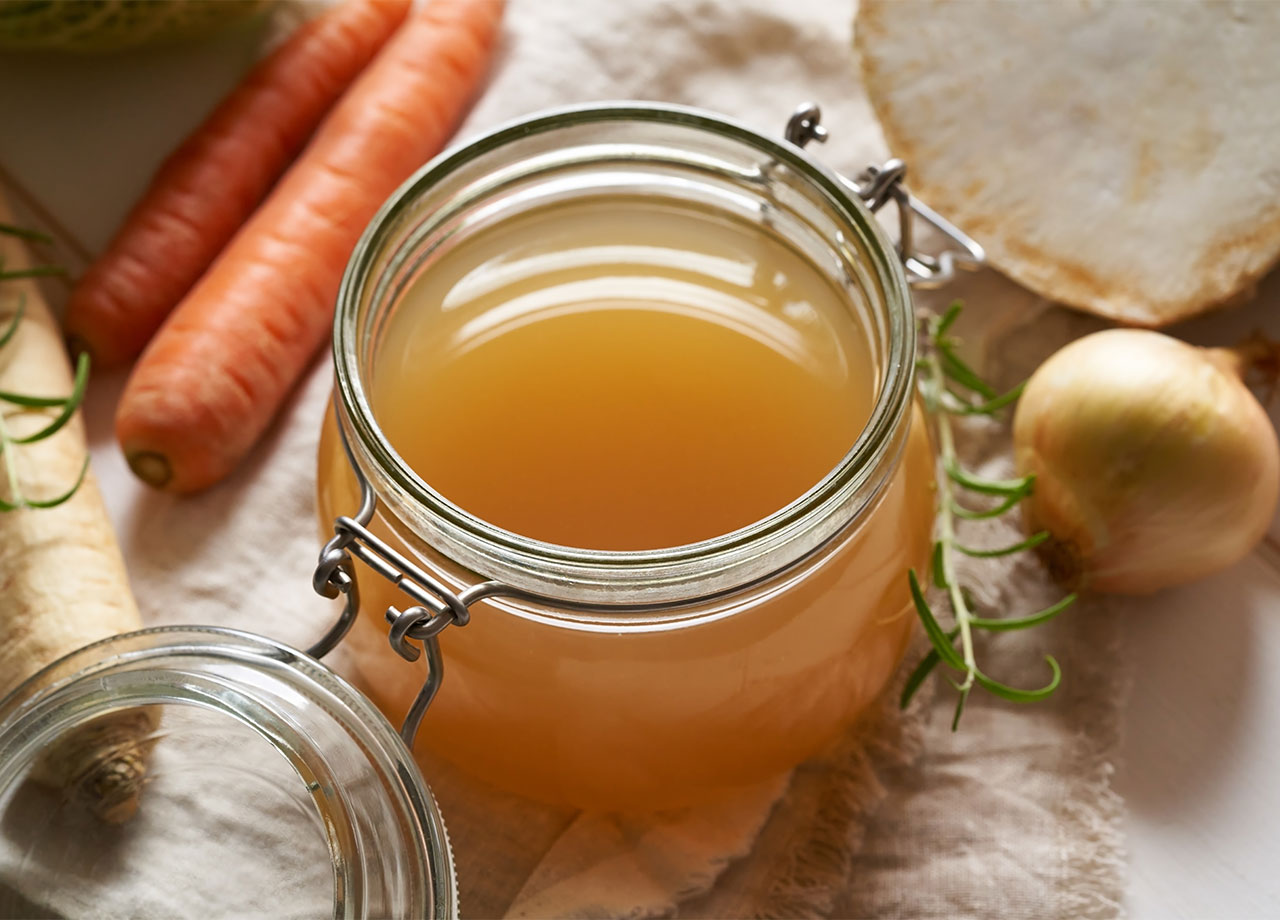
(624, 396)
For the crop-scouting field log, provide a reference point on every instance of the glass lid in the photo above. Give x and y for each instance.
(201, 772)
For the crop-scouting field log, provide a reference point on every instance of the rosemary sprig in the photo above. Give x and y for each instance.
(25, 233)
(949, 387)
(65, 406)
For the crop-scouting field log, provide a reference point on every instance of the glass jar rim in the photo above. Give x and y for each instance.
(876, 440)
(168, 656)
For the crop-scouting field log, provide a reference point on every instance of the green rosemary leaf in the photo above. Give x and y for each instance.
(14, 320)
(69, 404)
(955, 368)
(922, 670)
(25, 233)
(1029, 543)
(55, 502)
(969, 514)
(992, 406)
(948, 317)
(932, 629)
(1013, 694)
(960, 701)
(950, 387)
(37, 271)
(1022, 485)
(939, 570)
(32, 402)
(1034, 619)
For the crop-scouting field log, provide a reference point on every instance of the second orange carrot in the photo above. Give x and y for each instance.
(207, 187)
(215, 375)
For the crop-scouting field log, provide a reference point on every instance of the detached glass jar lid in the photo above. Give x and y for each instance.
(265, 787)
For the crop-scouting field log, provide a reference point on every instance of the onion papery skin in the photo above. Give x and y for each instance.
(1154, 464)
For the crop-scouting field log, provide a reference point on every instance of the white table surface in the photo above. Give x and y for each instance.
(1197, 765)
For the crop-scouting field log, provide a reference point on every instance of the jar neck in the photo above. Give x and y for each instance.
(389, 851)
(648, 150)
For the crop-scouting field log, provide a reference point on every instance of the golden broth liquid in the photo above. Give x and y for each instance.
(622, 375)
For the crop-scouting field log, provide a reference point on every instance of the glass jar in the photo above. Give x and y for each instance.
(262, 757)
(630, 679)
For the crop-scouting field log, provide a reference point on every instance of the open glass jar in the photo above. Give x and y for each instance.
(610, 678)
(639, 678)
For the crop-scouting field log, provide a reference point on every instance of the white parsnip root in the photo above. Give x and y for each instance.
(62, 579)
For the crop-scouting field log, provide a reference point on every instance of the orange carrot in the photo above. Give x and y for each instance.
(216, 373)
(207, 187)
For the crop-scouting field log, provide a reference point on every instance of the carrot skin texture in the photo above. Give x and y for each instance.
(209, 185)
(213, 378)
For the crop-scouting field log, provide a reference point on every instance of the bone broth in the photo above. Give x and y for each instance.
(618, 374)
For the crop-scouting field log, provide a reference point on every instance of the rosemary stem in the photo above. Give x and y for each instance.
(938, 368)
(946, 528)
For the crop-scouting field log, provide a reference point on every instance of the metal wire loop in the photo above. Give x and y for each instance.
(877, 186)
(332, 569)
(436, 609)
(401, 622)
(340, 580)
(805, 125)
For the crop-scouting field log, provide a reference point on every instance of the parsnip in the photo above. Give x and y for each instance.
(62, 579)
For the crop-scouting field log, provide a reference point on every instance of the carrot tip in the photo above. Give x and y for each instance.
(151, 468)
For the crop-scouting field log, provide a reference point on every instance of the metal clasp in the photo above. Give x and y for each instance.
(877, 185)
(437, 607)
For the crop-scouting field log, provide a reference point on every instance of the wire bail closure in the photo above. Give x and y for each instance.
(878, 185)
(437, 607)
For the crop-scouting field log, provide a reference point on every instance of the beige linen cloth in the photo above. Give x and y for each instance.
(1012, 816)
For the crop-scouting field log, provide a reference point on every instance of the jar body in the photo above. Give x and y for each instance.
(741, 690)
(633, 679)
